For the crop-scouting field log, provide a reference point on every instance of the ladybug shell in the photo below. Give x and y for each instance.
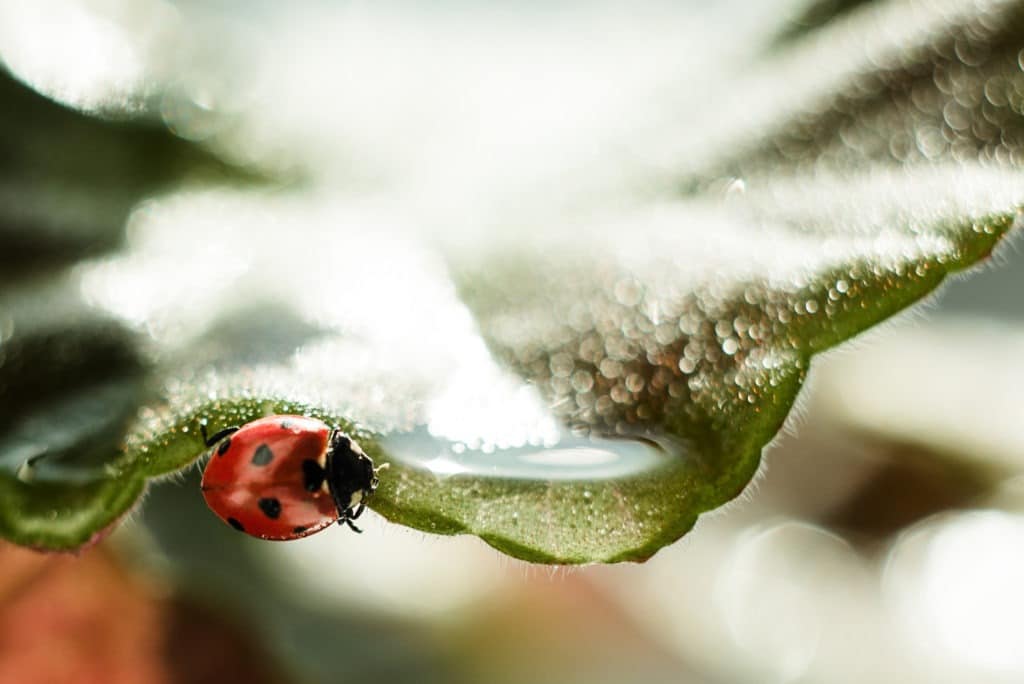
(256, 479)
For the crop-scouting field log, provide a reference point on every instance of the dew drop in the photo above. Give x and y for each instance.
(582, 381)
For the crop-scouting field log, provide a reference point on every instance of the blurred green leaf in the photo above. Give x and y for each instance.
(814, 15)
(71, 378)
(71, 381)
(68, 180)
(905, 84)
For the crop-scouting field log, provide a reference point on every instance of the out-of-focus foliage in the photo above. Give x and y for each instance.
(814, 15)
(68, 181)
(99, 621)
(72, 377)
(570, 391)
(922, 376)
(907, 84)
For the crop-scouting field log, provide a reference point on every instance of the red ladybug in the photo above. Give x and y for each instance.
(285, 477)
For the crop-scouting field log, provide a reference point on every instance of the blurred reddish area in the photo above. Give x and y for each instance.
(88, 619)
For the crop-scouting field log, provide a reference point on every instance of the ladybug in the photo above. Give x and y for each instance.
(286, 477)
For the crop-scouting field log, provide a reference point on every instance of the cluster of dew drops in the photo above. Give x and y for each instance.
(622, 357)
(959, 98)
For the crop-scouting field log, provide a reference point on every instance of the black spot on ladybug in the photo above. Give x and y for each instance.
(312, 475)
(224, 446)
(263, 455)
(271, 507)
(286, 425)
(237, 525)
(300, 529)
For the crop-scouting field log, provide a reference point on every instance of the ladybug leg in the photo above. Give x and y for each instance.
(217, 436)
(351, 514)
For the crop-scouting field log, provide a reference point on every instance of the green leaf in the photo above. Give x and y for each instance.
(568, 394)
(628, 339)
(672, 347)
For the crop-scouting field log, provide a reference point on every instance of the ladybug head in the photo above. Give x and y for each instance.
(350, 473)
